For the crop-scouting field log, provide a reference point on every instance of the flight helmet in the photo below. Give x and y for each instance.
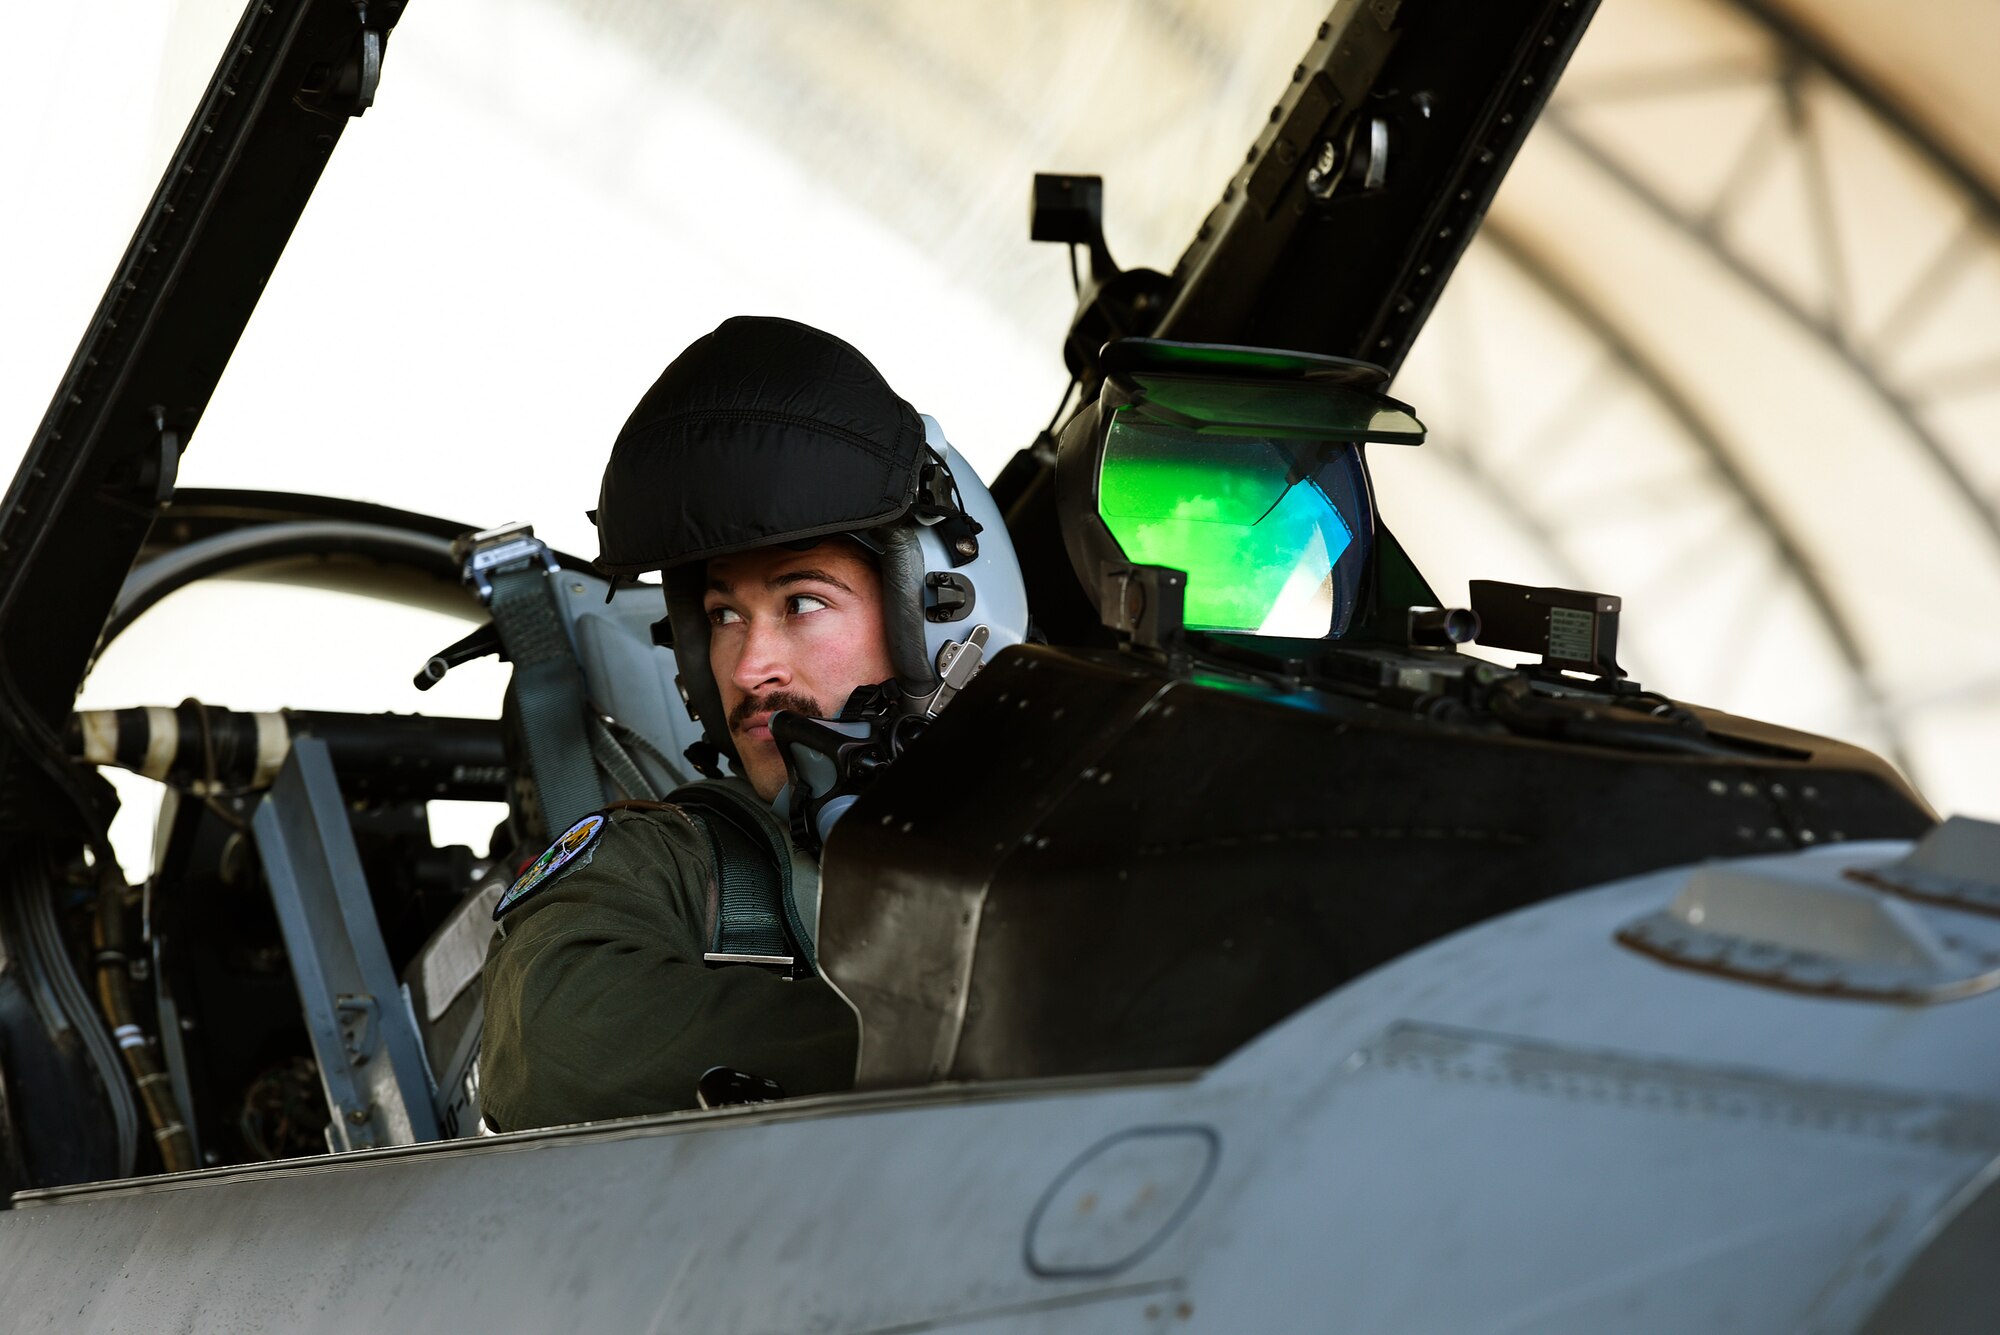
(768, 431)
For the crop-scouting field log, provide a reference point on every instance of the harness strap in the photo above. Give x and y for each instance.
(548, 686)
(756, 917)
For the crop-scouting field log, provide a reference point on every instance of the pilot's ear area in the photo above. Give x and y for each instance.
(688, 624)
(902, 566)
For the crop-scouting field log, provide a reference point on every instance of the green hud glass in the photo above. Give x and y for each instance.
(1256, 490)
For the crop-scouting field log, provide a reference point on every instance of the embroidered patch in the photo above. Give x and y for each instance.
(575, 841)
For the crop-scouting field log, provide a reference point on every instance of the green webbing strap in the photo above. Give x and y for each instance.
(548, 687)
(755, 914)
(617, 762)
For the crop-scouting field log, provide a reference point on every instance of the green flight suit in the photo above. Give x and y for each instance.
(598, 1003)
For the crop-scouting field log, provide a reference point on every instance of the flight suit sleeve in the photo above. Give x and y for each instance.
(598, 1003)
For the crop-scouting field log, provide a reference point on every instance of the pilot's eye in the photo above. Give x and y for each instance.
(724, 616)
(801, 603)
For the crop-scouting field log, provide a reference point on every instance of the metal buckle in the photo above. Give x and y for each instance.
(500, 551)
(773, 962)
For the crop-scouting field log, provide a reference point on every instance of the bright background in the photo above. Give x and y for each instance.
(1728, 346)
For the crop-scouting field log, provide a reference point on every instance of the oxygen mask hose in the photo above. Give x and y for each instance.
(114, 991)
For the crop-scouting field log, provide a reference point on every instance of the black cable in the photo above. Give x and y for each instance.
(43, 748)
(30, 885)
(1061, 404)
(1075, 275)
(114, 993)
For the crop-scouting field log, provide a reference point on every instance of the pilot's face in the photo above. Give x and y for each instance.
(797, 630)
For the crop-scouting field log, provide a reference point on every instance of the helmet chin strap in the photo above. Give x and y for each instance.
(828, 762)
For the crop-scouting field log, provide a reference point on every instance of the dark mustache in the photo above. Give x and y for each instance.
(796, 701)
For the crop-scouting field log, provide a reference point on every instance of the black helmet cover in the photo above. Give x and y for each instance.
(764, 431)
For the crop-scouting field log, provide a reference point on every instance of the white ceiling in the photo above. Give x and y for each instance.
(1931, 59)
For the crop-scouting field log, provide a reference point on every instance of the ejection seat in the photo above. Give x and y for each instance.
(639, 730)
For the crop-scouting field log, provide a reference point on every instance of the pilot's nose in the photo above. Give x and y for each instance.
(764, 664)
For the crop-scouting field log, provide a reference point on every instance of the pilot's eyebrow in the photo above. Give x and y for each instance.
(791, 577)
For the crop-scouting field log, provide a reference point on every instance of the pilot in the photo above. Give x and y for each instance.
(822, 549)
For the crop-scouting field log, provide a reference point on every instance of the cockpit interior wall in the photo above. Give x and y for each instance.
(1204, 859)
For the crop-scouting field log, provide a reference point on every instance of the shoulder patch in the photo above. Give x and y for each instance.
(573, 844)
